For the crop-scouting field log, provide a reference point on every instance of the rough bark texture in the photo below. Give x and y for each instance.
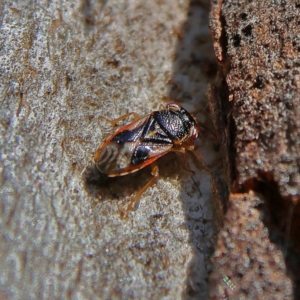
(245, 255)
(255, 105)
(264, 85)
(64, 66)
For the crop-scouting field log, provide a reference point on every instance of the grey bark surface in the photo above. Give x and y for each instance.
(64, 66)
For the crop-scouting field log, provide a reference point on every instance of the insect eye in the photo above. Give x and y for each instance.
(195, 132)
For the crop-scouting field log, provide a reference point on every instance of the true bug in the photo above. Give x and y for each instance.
(143, 141)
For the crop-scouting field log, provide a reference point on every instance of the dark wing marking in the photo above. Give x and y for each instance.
(153, 133)
(126, 136)
(129, 133)
(145, 151)
(150, 159)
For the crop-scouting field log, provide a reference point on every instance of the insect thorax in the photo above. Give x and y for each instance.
(172, 123)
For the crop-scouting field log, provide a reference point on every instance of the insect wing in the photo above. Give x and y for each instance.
(114, 156)
(147, 153)
(129, 133)
(153, 144)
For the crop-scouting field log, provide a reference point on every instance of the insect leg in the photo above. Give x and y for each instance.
(182, 148)
(200, 158)
(184, 166)
(115, 121)
(186, 145)
(155, 173)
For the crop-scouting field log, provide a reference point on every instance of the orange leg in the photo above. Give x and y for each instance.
(190, 147)
(155, 173)
(182, 148)
(200, 158)
(115, 121)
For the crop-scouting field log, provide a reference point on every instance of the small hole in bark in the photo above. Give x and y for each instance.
(236, 40)
(243, 16)
(289, 105)
(247, 31)
(283, 3)
(259, 83)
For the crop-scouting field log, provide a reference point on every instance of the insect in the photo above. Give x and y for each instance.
(144, 140)
(229, 282)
